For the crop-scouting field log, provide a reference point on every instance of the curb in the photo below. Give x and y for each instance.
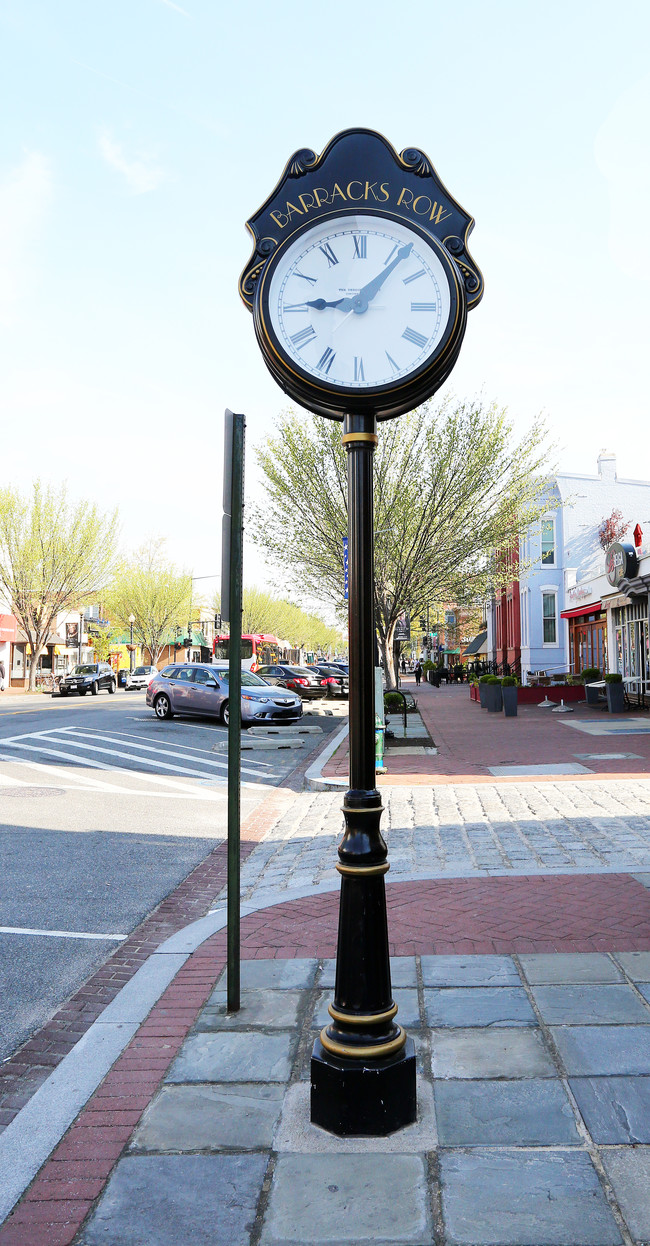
(314, 780)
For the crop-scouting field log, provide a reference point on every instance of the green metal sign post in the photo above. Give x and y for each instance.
(232, 551)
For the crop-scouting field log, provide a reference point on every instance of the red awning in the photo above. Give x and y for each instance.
(8, 628)
(592, 608)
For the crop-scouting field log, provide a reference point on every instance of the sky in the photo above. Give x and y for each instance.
(136, 138)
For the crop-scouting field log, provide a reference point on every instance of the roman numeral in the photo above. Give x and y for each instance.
(302, 307)
(304, 336)
(359, 374)
(413, 277)
(360, 244)
(394, 366)
(425, 307)
(327, 359)
(329, 255)
(311, 280)
(418, 339)
(390, 255)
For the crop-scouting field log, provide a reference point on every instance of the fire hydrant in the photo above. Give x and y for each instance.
(379, 746)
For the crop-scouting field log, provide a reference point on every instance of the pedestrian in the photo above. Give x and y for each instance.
(2, 676)
(418, 674)
(403, 665)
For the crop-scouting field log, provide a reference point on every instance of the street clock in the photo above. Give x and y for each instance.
(360, 280)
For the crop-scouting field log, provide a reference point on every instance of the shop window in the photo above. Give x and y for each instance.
(548, 542)
(549, 618)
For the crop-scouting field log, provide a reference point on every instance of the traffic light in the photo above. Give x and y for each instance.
(423, 623)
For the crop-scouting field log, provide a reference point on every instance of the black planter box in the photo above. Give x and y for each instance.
(482, 692)
(493, 698)
(592, 695)
(509, 695)
(616, 698)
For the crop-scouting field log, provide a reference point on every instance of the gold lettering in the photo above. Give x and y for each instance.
(280, 219)
(318, 191)
(441, 214)
(305, 205)
(385, 192)
(337, 191)
(421, 211)
(291, 208)
(370, 186)
(402, 197)
(349, 192)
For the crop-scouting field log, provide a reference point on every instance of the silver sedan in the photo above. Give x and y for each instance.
(194, 688)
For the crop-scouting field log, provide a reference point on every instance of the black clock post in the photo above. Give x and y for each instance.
(310, 296)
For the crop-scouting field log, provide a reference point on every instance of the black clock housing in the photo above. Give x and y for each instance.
(359, 173)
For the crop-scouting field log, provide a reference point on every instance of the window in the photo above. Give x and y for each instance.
(549, 618)
(548, 542)
(524, 617)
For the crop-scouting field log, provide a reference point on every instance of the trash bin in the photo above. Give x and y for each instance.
(379, 745)
(121, 677)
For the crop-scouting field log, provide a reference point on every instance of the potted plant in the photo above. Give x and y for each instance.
(493, 695)
(589, 676)
(615, 693)
(509, 696)
(482, 690)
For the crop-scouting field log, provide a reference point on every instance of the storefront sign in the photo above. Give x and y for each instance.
(621, 563)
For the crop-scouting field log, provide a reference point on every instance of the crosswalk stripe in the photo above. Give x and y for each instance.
(70, 757)
(129, 735)
(151, 748)
(62, 934)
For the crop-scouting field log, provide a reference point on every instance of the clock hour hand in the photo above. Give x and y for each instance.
(368, 292)
(321, 304)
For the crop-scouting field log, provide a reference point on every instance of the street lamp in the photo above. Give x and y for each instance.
(131, 653)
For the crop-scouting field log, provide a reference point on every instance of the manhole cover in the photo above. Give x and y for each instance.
(32, 791)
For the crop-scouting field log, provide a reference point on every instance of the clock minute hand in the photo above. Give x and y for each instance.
(368, 292)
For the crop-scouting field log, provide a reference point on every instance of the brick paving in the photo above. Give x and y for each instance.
(469, 740)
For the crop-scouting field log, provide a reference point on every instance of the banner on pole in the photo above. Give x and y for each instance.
(345, 568)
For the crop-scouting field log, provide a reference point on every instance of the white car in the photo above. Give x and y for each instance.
(141, 677)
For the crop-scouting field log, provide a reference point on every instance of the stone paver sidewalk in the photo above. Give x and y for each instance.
(534, 1121)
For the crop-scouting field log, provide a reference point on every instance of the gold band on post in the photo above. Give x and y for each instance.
(361, 871)
(371, 1019)
(374, 809)
(364, 1053)
(347, 438)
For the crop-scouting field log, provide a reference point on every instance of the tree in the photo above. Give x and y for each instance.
(452, 485)
(54, 556)
(612, 529)
(155, 592)
(102, 640)
(263, 612)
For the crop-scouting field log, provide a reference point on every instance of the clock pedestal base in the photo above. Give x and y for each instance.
(364, 1098)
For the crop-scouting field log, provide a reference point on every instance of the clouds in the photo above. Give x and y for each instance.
(142, 174)
(25, 193)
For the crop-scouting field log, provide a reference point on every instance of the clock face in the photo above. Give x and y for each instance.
(359, 302)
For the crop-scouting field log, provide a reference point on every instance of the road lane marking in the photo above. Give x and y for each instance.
(62, 934)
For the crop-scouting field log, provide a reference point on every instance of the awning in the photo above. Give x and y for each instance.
(8, 628)
(477, 645)
(592, 608)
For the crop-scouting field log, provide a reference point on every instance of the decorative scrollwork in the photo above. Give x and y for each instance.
(302, 161)
(265, 246)
(471, 280)
(263, 249)
(250, 280)
(416, 161)
(455, 246)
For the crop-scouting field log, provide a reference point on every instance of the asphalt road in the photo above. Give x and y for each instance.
(103, 811)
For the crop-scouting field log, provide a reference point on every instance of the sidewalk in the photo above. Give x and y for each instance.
(519, 921)
(470, 741)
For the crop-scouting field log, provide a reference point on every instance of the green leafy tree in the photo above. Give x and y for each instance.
(452, 485)
(264, 612)
(54, 556)
(155, 592)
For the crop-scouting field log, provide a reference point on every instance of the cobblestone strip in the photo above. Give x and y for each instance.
(31, 1064)
(464, 829)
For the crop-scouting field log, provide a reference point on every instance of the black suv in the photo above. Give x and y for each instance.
(89, 677)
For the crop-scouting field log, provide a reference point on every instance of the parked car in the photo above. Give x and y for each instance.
(198, 688)
(301, 679)
(89, 677)
(338, 683)
(141, 677)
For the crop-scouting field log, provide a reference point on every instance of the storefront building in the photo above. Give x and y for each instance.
(627, 568)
